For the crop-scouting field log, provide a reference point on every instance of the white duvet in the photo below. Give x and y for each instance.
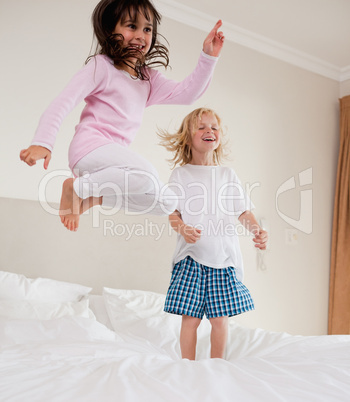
(80, 359)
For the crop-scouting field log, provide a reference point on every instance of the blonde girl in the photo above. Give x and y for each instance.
(207, 263)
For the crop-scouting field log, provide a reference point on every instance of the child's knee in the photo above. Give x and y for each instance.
(142, 182)
(169, 200)
(191, 322)
(219, 323)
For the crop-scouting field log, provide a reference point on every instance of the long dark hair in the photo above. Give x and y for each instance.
(105, 17)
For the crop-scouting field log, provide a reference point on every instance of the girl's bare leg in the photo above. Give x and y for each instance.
(89, 203)
(218, 338)
(70, 206)
(188, 336)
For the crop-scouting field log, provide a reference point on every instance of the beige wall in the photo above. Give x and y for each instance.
(345, 88)
(281, 121)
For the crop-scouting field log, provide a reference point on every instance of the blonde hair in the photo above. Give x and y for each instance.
(180, 142)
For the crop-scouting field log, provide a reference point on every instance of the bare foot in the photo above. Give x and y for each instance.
(70, 206)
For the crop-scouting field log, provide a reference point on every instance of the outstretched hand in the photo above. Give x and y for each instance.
(34, 153)
(214, 42)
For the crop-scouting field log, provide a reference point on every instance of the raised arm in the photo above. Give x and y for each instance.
(165, 91)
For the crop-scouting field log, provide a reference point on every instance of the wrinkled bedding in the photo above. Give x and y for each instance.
(80, 359)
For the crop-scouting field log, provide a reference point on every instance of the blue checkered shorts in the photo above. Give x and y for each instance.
(196, 289)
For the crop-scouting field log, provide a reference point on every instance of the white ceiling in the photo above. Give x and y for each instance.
(313, 34)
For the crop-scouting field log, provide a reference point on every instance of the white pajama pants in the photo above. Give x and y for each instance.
(124, 179)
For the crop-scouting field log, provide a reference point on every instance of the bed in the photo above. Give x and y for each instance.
(60, 343)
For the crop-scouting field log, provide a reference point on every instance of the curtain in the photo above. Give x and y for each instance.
(339, 290)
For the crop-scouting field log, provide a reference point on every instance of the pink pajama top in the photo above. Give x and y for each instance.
(115, 103)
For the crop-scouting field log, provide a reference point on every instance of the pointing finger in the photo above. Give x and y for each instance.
(47, 161)
(215, 29)
(217, 25)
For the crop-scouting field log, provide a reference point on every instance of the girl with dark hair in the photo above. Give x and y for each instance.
(117, 83)
(105, 18)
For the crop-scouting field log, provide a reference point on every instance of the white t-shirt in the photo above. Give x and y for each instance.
(210, 198)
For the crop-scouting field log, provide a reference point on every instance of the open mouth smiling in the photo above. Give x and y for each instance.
(136, 47)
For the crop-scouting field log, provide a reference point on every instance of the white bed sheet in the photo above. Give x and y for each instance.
(79, 359)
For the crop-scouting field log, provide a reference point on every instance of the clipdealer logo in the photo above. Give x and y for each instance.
(230, 191)
(304, 223)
